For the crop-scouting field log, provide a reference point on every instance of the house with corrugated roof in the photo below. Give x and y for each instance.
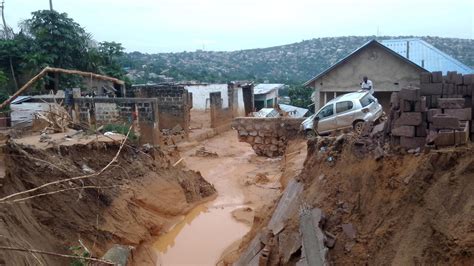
(266, 95)
(390, 65)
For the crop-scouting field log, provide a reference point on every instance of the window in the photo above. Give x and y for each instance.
(326, 111)
(366, 100)
(344, 106)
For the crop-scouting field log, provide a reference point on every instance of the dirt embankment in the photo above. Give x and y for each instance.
(135, 199)
(406, 209)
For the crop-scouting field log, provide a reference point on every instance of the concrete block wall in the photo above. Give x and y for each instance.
(101, 111)
(439, 112)
(268, 136)
(173, 100)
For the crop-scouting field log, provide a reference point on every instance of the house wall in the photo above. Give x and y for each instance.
(173, 100)
(387, 72)
(102, 111)
(220, 116)
(201, 99)
(272, 95)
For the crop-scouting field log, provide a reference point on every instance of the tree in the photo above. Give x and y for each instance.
(62, 41)
(3, 81)
(300, 96)
(59, 42)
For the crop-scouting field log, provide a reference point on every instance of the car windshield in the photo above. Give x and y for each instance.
(366, 100)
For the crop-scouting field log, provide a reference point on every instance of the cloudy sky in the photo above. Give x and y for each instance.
(186, 25)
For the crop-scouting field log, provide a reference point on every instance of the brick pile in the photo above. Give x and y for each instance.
(449, 102)
(408, 118)
(439, 112)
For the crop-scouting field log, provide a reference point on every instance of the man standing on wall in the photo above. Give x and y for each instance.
(366, 84)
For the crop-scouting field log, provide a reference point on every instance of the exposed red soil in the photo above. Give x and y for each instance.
(146, 196)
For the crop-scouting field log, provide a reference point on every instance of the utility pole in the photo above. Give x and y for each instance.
(7, 37)
(51, 5)
(5, 28)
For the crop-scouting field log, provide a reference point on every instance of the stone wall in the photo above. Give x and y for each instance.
(268, 136)
(174, 103)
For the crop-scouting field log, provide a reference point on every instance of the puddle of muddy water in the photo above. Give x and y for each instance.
(201, 237)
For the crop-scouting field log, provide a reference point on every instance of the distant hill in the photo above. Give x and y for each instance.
(291, 64)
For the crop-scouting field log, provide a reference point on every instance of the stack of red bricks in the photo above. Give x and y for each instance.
(449, 102)
(439, 113)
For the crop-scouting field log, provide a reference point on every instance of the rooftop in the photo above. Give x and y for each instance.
(426, 55)
(264, 88)
(294, 111)
(357, 51)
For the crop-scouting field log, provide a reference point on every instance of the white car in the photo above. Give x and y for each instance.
(350, 110)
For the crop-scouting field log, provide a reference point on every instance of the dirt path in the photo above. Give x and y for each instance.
(244, 183)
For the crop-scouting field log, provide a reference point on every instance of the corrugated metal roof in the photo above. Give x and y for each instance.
(21, 99)
(266, 88)
(355, 52)
(426, 55)
(266, 112)
(294, 111)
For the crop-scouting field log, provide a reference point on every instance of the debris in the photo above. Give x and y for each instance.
(261, 178)
(313, 237)
(349, 230)
(86, 169)
(348, 246)
(176, 163)
(109, 133)
(202, 152)
(57, 118)
(176, 129)
(44, 137)
(378, 153)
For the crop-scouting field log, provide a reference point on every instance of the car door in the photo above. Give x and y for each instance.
(326, 119)
(345, 113)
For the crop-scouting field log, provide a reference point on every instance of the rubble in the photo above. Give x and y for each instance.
(202, 152)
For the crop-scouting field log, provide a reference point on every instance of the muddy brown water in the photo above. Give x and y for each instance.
(201, 237)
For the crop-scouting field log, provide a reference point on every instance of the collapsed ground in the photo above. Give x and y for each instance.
(388, 207)
(135, 199)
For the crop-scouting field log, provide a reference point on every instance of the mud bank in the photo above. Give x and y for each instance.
(131, 202)
(402, 209)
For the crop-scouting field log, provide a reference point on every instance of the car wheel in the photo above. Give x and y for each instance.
(358, 126)
(310, 134)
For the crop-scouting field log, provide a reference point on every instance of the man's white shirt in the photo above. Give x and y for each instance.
(366, 86)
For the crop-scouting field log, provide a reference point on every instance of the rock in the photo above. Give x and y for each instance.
(378, 153)
(348, 246)
(349, 230)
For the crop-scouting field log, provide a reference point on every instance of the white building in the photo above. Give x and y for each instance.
(266, 95)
